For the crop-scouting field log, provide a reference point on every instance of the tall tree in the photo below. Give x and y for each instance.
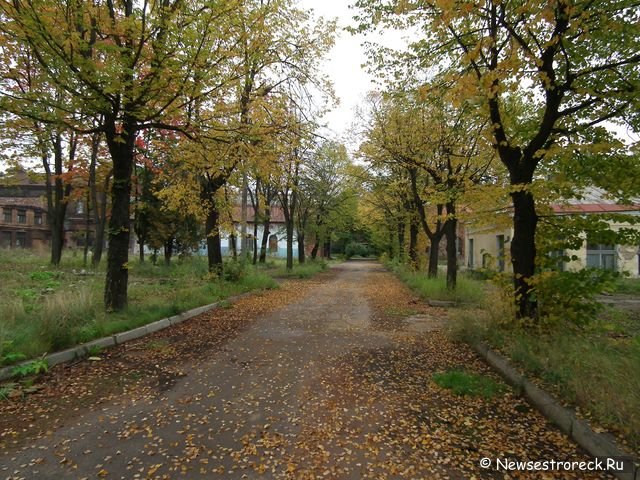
(576, 64)
(131, 65)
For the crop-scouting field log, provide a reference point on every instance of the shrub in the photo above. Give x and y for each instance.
(570, 296)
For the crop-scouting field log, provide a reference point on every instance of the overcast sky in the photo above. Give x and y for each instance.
(343, 64)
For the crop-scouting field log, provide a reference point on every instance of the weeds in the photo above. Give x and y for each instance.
(461, 382)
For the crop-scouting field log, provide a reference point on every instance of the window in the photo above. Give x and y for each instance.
(37, 218)
(7, 215)
(5, 239)
(558, 256)
(601, 256)
(80, 207)
(21, 239)
(470, 255)
(22, 216)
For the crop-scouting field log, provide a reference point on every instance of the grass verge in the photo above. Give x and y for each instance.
(468, 290)
(595, 368)
(461, 382)
(43, 309)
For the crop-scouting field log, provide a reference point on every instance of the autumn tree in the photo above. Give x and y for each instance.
(575, 64)
(130, 65)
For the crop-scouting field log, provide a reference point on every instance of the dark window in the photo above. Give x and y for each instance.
(470, 253)
(22, 216)
(5, 239)
(7, 215)
(37, 218)
(21, 239)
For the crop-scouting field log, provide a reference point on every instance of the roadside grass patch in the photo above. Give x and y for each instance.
(595, 367)
(468, 290)
(629, 286)
(44, 309)
(462, 382)
(301, 270)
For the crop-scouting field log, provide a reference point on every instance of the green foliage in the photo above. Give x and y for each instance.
(570, 296)
(10, 358)
(6, 390)
(468, 291)
(627, 286)
(596, 367)
(36, 367)
(355, 249)
(235, 270)
(461, 382)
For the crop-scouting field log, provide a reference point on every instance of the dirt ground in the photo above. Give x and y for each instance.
(323, 378)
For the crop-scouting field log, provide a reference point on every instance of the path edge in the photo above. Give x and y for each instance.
(596, 444)
(83, 350)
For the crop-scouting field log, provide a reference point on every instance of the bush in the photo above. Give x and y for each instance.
(234, 271)
(570, 296)
(358, 250)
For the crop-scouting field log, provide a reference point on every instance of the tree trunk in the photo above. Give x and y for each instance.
(87, 229)
(401, 252)
(301, 253)
(233, 244)
(214, 250)
(141, 247)
(523, 251)
(413, 245)
(168, 252)
(327, 248)
(265, 236)
(452, 255)
(434, 250)
(121, 147)
(99, 206)
(57, 198)
(289, 244)
(316, 247)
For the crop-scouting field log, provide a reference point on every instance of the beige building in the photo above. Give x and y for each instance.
(488, 246)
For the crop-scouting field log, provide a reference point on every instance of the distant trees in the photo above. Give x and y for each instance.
(572, 65)
(215, 73)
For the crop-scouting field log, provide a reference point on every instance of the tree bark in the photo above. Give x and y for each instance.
(214, 250)
(327, 247)
(523, 251)
(314, 250)
(168, 252)
(121, 147)
(450, 228)
(413, 245)
(301, 253)
(401, 253)
(265, 234)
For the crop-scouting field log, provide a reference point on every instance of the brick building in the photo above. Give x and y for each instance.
(23, 215)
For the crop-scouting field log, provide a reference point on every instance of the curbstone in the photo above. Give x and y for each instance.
(104, 342)
(501, 364)
(82, 350)
(158, 325)
(441, 303)
(597, 445)
(130, 335)
(547, 405)
(64, 356)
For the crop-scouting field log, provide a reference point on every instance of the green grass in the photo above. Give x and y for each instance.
(467, 290)
(44, 309)
(462, 382)
(277, 268)
(596, 368)
(629, 286)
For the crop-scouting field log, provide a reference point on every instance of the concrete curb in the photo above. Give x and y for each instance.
(81, 351)
(596, 444)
